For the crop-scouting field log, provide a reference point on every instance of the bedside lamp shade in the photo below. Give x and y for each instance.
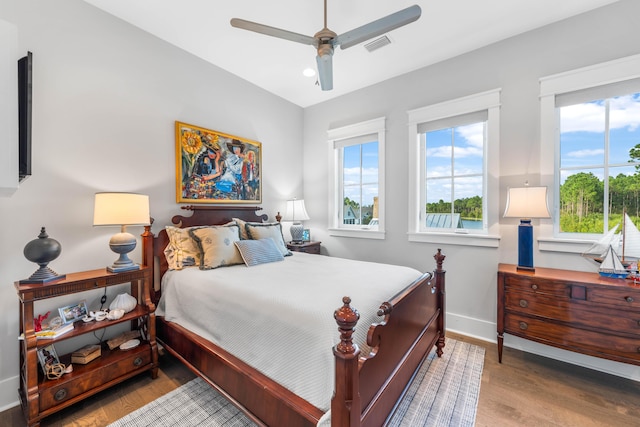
(526, 203)
(296, 212)
(121, 209)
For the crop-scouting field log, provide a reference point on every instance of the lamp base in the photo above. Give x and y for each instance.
(525, 245)
(120, 269)
(122, 243)
(296, 230)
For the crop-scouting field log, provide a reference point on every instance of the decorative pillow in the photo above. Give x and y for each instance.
(242, 224)
(216, 244)
(260, 251)
(182, 251)
(271, 230)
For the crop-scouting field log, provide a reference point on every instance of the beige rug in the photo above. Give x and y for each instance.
(444, 393)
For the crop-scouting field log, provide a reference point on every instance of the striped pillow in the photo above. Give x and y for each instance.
(259, 251)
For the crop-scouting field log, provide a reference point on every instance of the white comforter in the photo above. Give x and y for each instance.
(266, 313)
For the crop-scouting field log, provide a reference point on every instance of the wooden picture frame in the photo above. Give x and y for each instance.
(214, 167)
(47, 357)
(74, 312)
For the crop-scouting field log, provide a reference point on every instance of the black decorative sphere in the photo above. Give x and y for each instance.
(42, 251)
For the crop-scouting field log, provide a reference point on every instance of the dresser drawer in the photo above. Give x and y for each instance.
(530, 284)
(86, 378)
(628, 297)
(597, 344)
(577, 313)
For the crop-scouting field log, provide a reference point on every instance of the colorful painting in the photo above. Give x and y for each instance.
(213, 167)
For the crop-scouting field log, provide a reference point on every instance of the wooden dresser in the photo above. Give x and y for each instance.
(576, 311)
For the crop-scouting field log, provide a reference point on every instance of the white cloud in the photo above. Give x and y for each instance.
(590, 117)
(585, 153)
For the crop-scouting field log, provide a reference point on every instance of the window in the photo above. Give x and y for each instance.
(590, 119)
(356, 204)
(599, 162)
(455, 145)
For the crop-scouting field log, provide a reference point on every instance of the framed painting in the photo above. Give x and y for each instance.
(214, 167)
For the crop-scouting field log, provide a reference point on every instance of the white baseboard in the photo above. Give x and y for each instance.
(487, 331)
(9, 393)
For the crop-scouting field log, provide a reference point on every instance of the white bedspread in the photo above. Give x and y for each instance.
(266, 313)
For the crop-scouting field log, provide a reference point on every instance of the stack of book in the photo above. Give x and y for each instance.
(51, 333)
(54, 332)
(86, 354)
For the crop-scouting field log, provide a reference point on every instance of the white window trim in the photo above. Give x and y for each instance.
(490, 101)
(373, 126)
(582, 78)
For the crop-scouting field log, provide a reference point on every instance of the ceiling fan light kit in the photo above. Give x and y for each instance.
(325, 41)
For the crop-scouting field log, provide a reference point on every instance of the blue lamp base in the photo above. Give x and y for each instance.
(525, 245)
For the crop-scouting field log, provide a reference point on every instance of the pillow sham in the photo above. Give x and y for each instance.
(216, 245)
(271, 230)
(261, 251)
(182, 251)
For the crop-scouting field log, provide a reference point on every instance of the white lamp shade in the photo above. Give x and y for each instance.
(527, 202)
(295, 211)
(121, 209)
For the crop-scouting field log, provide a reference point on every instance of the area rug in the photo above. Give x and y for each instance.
(444, 393)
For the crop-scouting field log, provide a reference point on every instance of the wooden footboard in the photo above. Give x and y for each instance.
(367, 387)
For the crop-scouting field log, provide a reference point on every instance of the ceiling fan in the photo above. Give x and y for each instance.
(325, 40)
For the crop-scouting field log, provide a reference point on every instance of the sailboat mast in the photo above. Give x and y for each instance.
(624, 239)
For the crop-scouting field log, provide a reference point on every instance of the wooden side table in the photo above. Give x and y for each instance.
(307, 247)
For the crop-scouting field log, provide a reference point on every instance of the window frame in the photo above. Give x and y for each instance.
(488, 101)
(585, 78)
(335, 136)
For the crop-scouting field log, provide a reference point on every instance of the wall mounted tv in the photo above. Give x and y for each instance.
(25, 82)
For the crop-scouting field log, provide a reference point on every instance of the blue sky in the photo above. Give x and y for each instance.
(355, 161)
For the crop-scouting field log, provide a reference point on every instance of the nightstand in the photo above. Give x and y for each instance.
(41, 397)
(307, 247)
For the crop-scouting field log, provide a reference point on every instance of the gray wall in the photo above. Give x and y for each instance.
(515, 65)
(106, 96)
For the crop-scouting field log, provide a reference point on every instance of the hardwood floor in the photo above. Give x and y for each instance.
(525, 390)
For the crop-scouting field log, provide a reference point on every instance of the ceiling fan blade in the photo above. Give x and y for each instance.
(273, 32)
(325, 71)
(378, 27)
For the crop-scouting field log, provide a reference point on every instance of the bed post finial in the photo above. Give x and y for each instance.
(345, 404)
(346, 318)
(439, 257)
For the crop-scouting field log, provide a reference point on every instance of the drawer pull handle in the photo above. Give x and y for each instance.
(534, 287)
(629, 299)
(524, 326)
(137, 361)
(524, 303)
(60, 394)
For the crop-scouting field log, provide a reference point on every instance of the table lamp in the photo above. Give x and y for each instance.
(296, 212)
(121, 209)
(526, 203)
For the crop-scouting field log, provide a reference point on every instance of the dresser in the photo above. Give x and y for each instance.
(572, 310)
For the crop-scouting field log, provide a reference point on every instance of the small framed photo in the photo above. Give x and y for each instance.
(47, 357)
(71, 313)
(306, 235)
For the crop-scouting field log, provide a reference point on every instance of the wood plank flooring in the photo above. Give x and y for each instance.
(525, 390)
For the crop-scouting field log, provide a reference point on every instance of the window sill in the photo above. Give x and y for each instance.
(481, 240)
(358, 233)
(554, 244)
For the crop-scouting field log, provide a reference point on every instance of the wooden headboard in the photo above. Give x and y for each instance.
(153, 246)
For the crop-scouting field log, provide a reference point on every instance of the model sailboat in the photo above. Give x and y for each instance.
(616, 252)
(612, 266)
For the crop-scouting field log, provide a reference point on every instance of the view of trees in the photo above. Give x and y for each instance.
(582, 199)
(468, 207)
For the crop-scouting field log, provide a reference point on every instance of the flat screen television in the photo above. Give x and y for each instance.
(25, 86)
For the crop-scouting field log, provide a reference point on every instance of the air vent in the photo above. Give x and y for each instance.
(377, 43)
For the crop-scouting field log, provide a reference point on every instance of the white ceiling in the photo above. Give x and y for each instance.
(447, 28)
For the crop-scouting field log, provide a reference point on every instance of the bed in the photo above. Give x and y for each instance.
(368, 379)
